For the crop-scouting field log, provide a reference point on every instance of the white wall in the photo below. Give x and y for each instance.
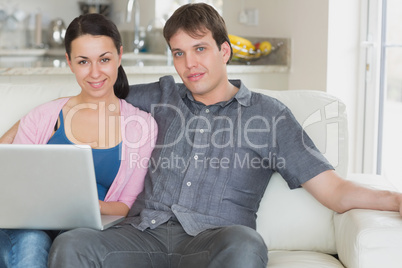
(344, 65)
(305, 22)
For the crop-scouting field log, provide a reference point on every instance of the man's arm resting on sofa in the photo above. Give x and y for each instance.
(9, 136)
(342, 195)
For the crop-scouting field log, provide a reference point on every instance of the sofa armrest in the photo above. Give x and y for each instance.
(368, 238)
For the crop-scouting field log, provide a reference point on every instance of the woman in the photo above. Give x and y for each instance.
(99, 117)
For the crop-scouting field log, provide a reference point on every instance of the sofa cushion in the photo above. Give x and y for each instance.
(294, 220)
(301, 259)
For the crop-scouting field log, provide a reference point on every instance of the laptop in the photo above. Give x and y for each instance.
(49, 187)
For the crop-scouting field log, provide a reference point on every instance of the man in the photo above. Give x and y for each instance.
(198, 207)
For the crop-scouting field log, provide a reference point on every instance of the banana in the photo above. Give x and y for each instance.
(242, 47)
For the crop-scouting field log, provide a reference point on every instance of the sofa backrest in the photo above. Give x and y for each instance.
(17, 100)
(293, 219)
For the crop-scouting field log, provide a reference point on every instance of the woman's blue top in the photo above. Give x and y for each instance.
(106, 161)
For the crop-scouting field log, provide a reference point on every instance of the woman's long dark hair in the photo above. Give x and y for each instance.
(97, 24)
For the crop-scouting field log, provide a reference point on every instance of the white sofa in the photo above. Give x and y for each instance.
(299, 231)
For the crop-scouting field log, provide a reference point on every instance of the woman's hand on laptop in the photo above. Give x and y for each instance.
(113, 208)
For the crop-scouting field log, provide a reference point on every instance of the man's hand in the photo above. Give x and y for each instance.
(400, 204)
(9, 136)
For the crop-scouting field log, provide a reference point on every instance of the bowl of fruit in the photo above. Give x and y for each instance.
(245, 50)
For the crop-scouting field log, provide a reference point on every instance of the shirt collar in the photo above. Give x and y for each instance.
(243, 96)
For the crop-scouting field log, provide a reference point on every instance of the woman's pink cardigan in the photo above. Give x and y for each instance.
(139, 131)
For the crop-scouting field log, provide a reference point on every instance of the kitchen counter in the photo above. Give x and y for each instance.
(51, 66)
(159, 69)
(57, 65)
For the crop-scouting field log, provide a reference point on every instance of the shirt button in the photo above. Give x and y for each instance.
(207, 111)
(188, 184)
(196, 157)
(201, 131)
(153, 221)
